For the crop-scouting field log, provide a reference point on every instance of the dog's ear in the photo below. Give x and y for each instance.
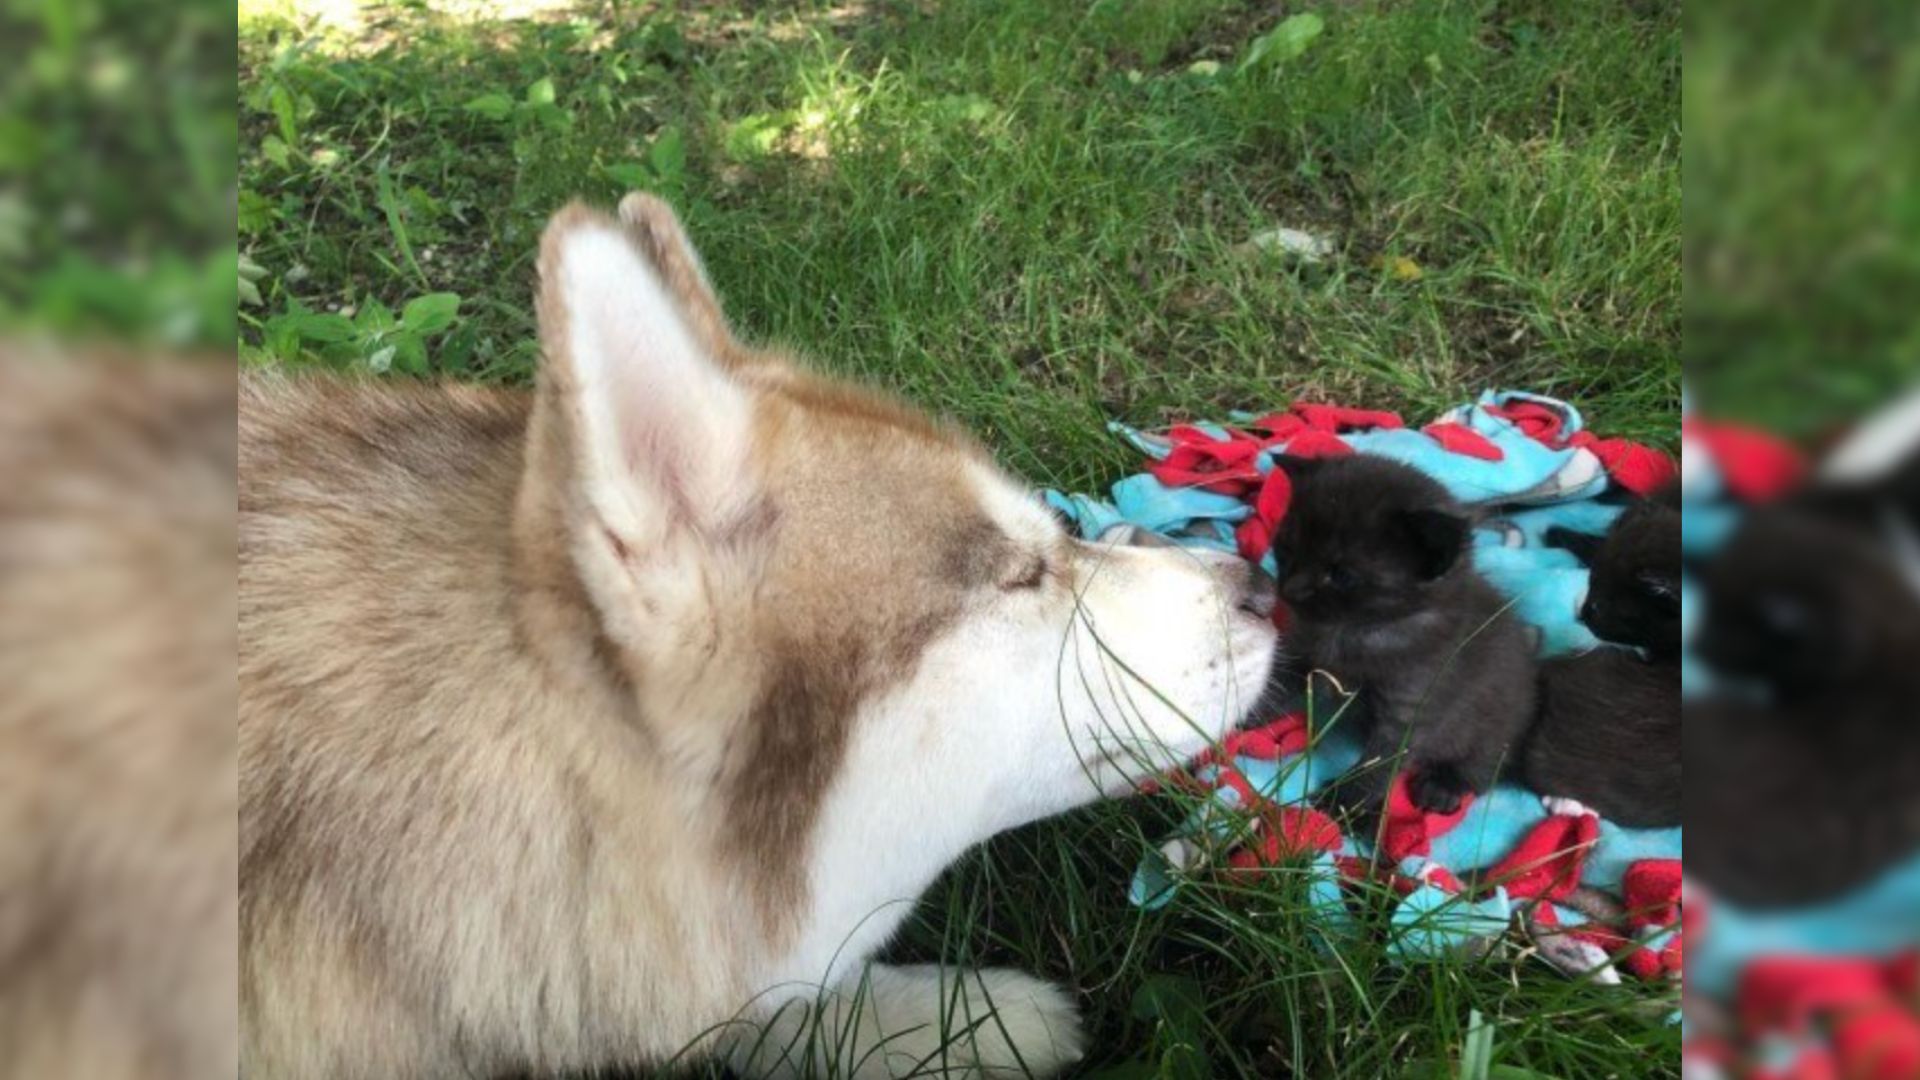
(1439, 539)
(640, 440)
(658, 233)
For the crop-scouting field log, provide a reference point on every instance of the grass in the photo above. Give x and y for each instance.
(1033, 217)
(117, 151)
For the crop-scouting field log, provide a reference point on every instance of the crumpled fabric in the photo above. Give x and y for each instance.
(1529, 464)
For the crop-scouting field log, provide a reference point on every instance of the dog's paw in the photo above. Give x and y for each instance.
(1439, 788)
(919, 1021)
(1021, 1026)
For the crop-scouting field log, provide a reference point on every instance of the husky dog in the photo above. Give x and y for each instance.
(624, 718)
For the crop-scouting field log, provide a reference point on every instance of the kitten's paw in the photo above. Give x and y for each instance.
(1356, 806)
(1438, 789)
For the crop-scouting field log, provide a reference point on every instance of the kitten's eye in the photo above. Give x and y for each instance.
(1342, 578)
(1027, 575)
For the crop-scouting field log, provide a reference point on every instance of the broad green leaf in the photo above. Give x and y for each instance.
(1285, 41)
(410, 355)
(491, 106)
(382, 359)
(256, 213)
(668, 155)
(284, 112)
(324, 328)
(541, 93)
(629, 175)
(430, 314)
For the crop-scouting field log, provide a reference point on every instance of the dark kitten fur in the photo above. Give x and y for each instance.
(1608, 734)
(1633, 592)
(1374, 555)
(1811, 792)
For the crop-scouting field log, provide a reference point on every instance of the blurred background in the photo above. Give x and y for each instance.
(1802, 461)
(117, 760)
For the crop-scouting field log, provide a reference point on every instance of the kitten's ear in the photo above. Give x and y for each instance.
(1439, 539)
(1662, 590)
(1297, 468)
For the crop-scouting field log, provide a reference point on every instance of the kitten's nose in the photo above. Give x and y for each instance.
(1259, 594)
(1297, 590)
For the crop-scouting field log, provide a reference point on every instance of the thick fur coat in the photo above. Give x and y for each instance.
(587, 726)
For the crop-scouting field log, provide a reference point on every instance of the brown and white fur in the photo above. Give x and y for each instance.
(583, 727)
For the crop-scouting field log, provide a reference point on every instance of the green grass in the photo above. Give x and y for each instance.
(117, 149)
(1030, 216)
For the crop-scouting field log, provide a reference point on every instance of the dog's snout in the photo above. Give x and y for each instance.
(1258, 593)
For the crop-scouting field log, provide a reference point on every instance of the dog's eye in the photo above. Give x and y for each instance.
(1027, 575)
(1342, 578)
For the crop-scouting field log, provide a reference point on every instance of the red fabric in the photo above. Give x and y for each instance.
(1316, 444)
(1255, 535)
(1903, 974)
(1282, 737)
(1756, 467)
(1874, 1033)
(1547, 861)
(1879, 1043)
(1279, 426)
(1651, 890)
(1640, 469)
(1535, 420)
(1814, 1063)
(1458, 438)
(1408, 830)
(1628, 955)
(1337, 418)
(1289, 832)
(1786, 992)
(1197, 459)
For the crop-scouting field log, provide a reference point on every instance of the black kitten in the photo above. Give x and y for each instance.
(1810, 791)
(1374, 558)
(1633, 589)
(1608, 734)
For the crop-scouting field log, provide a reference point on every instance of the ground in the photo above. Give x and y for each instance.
(1035, 216)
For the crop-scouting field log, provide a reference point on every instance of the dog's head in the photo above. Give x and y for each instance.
(799, 580)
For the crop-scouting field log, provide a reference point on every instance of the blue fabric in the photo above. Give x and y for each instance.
(1546, 488)
(1530, 490)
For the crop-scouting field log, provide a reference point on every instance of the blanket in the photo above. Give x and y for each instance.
(1528, 464)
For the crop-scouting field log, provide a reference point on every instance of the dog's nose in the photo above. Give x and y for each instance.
(1135, 536)
(1259, 594)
